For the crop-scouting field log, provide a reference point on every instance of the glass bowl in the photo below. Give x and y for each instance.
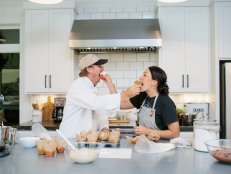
(220, 149)
(85, 152)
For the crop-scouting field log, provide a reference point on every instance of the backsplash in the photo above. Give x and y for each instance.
(124, 68)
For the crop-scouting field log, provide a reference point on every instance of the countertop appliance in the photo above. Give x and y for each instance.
(113, 35)
(59, 104)
(225, 98)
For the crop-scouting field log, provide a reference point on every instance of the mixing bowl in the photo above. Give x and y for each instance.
(220, 149)
(84, 153)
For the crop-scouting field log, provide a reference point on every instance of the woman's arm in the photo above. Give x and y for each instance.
(172, 132)
(126, 104)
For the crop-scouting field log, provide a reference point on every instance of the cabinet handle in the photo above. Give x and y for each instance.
(50, 81)
(45, 81)
(182, 80)
(187, 80)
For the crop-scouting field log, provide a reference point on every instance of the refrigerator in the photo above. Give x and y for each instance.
(225, 99)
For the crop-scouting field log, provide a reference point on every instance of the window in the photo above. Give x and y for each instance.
(9, 36)
(9, 75)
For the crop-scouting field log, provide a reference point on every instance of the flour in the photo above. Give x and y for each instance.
(203, 135)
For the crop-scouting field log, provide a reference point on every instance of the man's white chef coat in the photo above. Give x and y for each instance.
(84, 107)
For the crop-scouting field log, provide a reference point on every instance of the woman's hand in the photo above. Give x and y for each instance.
(139, 130)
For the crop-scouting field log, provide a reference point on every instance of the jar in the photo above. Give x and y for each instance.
(204, 129)
(36, 116)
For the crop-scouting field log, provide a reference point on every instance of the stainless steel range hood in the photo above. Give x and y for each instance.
(115, 35)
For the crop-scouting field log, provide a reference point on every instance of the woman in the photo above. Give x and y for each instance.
(157, 110)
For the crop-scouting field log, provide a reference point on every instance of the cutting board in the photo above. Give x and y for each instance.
(47, 110)
(111, 121)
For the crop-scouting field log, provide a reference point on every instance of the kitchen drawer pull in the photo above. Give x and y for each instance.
(50, 80)
(182, 80)
(187, 80)
(45, 81)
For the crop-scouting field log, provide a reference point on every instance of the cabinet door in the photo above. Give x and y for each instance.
(224, 28)
(197, 49)
(60, 63)
(172, 52)
(36, 50)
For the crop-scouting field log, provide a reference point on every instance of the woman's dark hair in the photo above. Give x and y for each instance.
(160, 76)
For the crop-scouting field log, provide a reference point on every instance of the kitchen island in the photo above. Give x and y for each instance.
(178, 161)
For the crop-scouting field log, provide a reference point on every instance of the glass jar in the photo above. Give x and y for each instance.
(36, 116)
(204, 129)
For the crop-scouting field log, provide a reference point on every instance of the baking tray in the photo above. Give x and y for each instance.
(96, 144)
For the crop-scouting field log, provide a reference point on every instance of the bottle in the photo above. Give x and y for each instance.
(204, 129)
(48, 109)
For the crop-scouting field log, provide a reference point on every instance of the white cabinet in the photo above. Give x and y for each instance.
(48, 62)
(224, 28)
(185, 51)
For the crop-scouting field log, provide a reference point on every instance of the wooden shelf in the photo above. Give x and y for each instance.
(117, 121)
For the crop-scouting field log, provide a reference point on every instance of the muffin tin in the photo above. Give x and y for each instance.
(108, 144)
(96, 145)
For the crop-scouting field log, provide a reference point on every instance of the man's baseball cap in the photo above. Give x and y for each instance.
(89, 60)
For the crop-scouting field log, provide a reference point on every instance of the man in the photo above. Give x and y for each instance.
(84, 106)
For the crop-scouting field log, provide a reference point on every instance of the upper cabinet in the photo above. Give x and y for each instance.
(48, 60)
(223, 29)
(186, 46)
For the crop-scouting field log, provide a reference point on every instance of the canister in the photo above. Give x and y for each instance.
(36, 116)
(204, 129)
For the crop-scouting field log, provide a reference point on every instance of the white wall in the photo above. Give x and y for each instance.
(111, 9)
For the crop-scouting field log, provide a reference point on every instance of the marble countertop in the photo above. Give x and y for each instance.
(177, 161)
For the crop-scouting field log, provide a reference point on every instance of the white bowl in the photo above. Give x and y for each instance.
(28, 142)
(84, 153)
